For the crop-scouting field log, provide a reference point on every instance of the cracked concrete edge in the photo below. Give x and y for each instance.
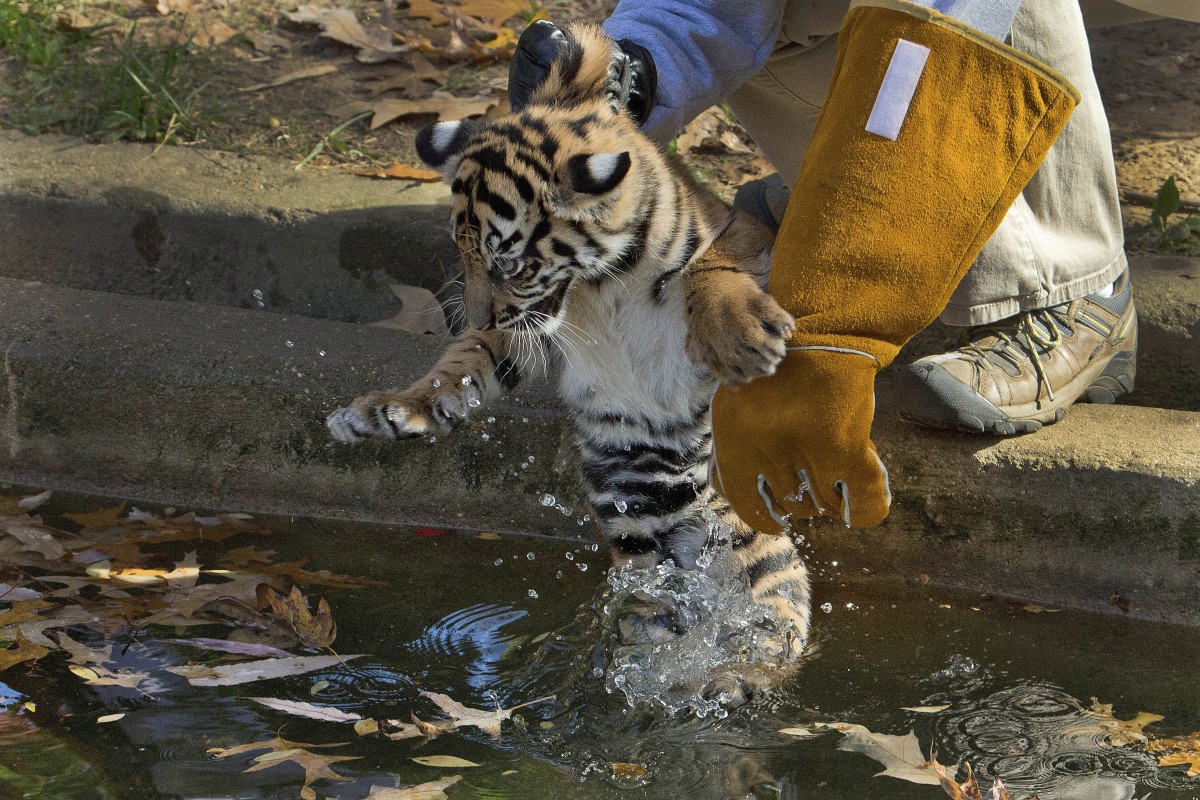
(191, 404)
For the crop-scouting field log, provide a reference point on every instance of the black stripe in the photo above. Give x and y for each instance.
(539, 232)
(561, 248)
(506, 372)
(768, 565)
(499, 205)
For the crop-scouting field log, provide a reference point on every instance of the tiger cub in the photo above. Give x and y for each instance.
(584, 243)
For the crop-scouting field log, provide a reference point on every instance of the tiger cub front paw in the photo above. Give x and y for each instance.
(417, 411)
(738, 331)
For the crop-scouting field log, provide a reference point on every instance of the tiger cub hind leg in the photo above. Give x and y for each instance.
(471, 371)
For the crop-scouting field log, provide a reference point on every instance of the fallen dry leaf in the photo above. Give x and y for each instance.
(250, 671)
(374, 45)
(316, 766)
(439, 104)
(315, 630)
(402, 172)
(420, 312)
(292, 77)
(626, 771)
(496, 11)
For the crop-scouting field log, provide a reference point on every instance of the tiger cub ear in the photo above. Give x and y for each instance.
(441, 144)
(598, 173)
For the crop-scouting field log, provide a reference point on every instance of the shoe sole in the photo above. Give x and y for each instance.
(973, 414)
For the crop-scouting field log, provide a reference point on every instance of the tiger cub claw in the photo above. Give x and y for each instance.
(745, 337)
(392, 415)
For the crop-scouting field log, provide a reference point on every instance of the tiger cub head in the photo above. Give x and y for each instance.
(544, 197)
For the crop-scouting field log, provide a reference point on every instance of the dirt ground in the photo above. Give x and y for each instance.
(1149, 75)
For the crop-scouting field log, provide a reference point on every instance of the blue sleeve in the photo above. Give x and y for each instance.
(702, 49)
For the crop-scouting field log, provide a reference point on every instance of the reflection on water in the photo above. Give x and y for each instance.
(457, 617)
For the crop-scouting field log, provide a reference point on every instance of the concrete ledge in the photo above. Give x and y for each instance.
(185, 403)
(215, 227)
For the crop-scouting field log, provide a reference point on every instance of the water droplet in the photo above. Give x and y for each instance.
(530, 556)
(290, 343)
(547, 500)
(851, 607)
(566, 512)
(524, 465)
(598, 672)
(533, 594)
(491, 420)
(258, 294)
(499, 562)
(587, 517)
(827, 607)
(321, 353)
(595, 548)
(432, 439)
(466, 380)
(437, 384)
(485, 437)
(570, 556)
(582, 567)
(833, 563)
(530, 459)
(558, 574)
(621, 505)
(524, 419)
(581, 523)
(474, 402)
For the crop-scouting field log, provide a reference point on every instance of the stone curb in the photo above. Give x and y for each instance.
(194, 404)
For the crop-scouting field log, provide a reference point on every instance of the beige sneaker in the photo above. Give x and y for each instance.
(1021, 373)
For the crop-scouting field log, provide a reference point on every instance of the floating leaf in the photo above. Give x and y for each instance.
(486, 721)
(900, 755)
(626, 771)
(24, 651)
(800, 733)
(1184, 750)
(314, 630)
(310, 710)
(102, 676)
(110, 718)
(925, 709)
(452, 762)
(249, 671)
(1099, 720)
(98, 520)
(32, 502)
(433, 790)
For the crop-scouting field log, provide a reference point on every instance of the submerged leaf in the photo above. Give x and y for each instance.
(433, 790)
(314, 630)
(98, 520)
(24, 651)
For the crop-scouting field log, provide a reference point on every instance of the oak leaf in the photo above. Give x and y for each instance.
(316, 766)
(1099, 720)
(309, 710)
(486, 721)
(340, 24)
(1182, 750)
(314, 630)
(98, 520)
(102, 676)
(900, 755)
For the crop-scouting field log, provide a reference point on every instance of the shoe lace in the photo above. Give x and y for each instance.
(1030, 335)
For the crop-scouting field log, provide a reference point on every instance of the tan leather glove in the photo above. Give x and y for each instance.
(878, 233)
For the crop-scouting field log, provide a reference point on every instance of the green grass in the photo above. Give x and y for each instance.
(95, 82)
(1181, 236)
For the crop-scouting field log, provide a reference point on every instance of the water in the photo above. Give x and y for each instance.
(475, 618)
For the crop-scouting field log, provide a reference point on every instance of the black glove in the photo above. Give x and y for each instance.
(632, 76)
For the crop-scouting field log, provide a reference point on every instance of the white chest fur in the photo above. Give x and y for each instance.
(627, 353)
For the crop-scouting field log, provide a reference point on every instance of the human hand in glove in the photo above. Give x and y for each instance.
(632, 76)
(928, 133)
